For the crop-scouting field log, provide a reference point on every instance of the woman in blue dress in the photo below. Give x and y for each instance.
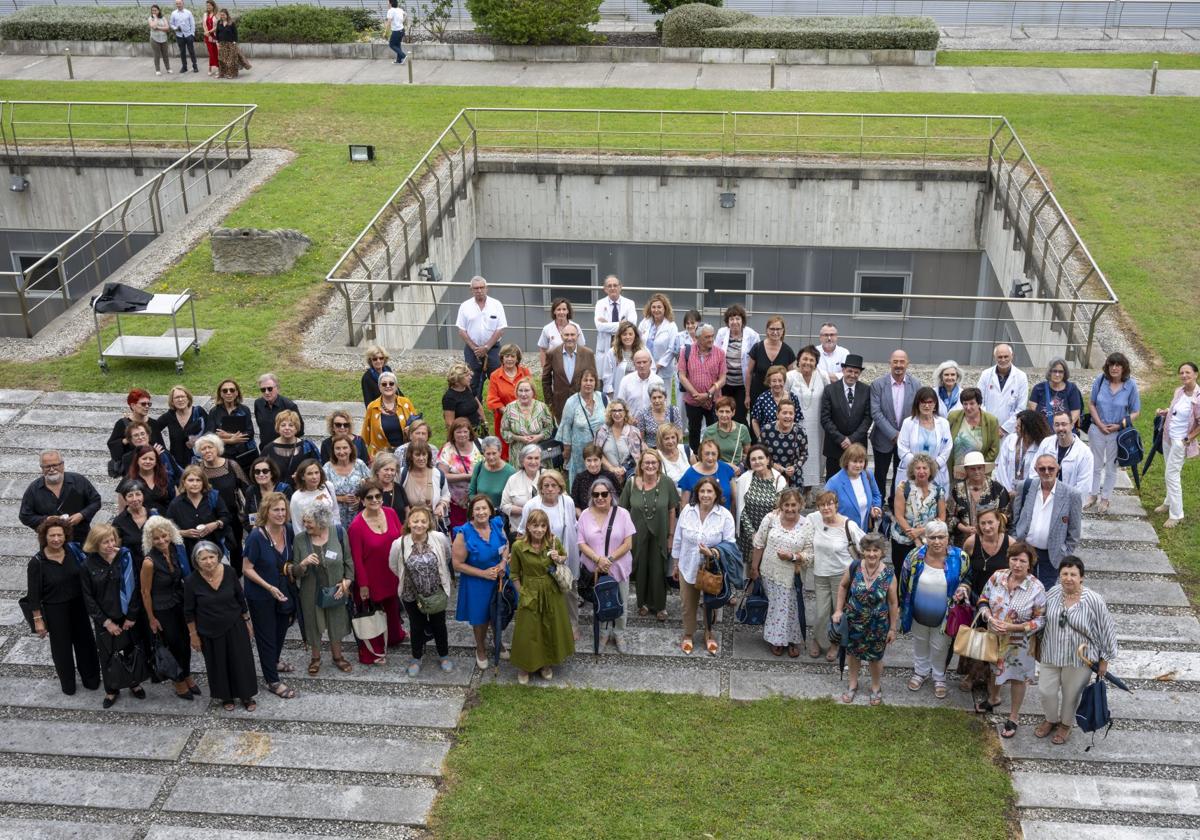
(480, 556)
(872, 609)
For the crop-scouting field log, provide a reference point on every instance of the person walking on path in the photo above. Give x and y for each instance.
(184, 27)
(395, 23)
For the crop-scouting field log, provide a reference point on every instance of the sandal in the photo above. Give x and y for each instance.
(281, 691)
(793, 651)
(662, 615)
(985, 707)
(1061, 735)
(686, 645)
(831, 656)
(777, 650)
(711, 646)
(1010, 729)
(249, 705)
(916, 681)
(284, 668)
(1043, 729)
(877, 697)
(814, 653)
(229, 705)
(314, 667)
(939, 690)
(849, 695)
(342, 665)
(643, 611)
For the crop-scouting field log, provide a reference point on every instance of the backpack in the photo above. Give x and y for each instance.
(753, 608)
(1093, 713)
(1129, 447)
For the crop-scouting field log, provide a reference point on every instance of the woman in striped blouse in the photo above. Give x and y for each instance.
(1075, 615)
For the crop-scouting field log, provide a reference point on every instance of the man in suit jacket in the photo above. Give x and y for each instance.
(1048, 515)
(565, 365)
(891, 401)
(845, 413)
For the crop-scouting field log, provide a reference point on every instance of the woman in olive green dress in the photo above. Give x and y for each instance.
(652, 501)
(323, 561)
(542, 637)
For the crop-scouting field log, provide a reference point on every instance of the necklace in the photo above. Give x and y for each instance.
(648, 510)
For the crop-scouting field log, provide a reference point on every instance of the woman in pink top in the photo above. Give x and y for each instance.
(608, 551)
(371, 536)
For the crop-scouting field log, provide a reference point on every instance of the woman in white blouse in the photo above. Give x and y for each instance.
(658, 332)
(928, 432)
(701, 527)
(561, 314)
(521, 485)
(553, 499)
(677, 456)
(806, 386)
(831, 536)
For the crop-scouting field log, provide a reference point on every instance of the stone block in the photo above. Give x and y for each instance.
(28, 693)
(1164, 665)
(56, 418)
(1105, 793)
(13, 578)
(637, 55)
(1154, 593)
(86, 443)
(1171, 629)
(1144, 560)
(20, 544)
(1119, 530)
(321, 752)
(1126, 746)
(1149, 704)
(690, 55)
(30, 650)
(93, 740)
(1123, 505)
(925, 58)
(474, 52)
(762, 56)
(431, 712)
(256, 251)
(78, 788)
(855, 58)
(1040, 830)
(360, 803)
(7, 414)
(13, 396)
(53, 830)
(576, 673)
(809, 57)
(85, 399)
(597, 53)
(10, 614)
(177, 832)
(720, 55)
(431, 52)
(393, 672)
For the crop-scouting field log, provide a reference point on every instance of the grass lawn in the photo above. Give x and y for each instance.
(619, 765)
(1121, 167)
(1106, 60)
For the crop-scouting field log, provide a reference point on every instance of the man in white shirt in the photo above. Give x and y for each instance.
(184, 27)
(1005, 389)
(612, 309)
(395, 22)
(481, 325)
(832, 355)
(634, 389)
(1074, 457)
(1048, 515)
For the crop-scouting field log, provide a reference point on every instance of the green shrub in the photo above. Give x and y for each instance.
(661, 7)
(296, 25)
(77, 23)
(363, 20)
(698, 25)
(536, 21)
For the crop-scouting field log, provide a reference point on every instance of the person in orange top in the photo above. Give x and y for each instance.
(385, 426)
(503, 386)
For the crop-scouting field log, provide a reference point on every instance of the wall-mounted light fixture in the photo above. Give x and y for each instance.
(430, 273)
(1021, 288)
(361, 154)
(18, 183)
(728, 199)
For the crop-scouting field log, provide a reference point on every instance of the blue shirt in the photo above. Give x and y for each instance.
(569, 365)
(723, 475)
(183, 23)
(1113, 408)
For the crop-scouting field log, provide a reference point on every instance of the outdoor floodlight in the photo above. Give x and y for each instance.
(361, 154)
(728, 200)
(1021, 288)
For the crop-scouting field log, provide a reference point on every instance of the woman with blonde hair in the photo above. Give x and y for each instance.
(199, 514)
(619, 440)
(161, 578)
(653, 502)
(112, 602)
(420, 559)
(183, 422)
(542, 635)
(377, 363)
(658, 332)
(269, 596)
(459, 402)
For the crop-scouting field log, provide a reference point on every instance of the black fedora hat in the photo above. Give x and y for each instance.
(853, 360)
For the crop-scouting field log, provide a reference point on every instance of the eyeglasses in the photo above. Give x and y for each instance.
(341, 425)
(266, 389)
(262, 472)
(144, 403)
(618, 411)
(600, 494)
(373, 497)
(1047, 469)
(55, 466)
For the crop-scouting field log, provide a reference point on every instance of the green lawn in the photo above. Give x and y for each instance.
(1106, 60)
(1123, 167)
(602, 765)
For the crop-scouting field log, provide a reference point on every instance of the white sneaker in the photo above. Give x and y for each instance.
(159, 72)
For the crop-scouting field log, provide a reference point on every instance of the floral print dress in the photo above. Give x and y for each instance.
(867, 614)
(345, 485)
(1025, 603)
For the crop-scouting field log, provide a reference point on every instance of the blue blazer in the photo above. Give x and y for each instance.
(839, 483)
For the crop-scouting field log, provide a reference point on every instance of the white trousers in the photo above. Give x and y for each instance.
(1104, 462)
(929, 651)
(1060, 689)
(1175, 451)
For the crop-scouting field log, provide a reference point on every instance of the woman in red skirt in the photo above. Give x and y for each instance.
(371, 536)
(210, 35)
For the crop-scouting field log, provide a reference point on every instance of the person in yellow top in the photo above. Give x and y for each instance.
(385, 426)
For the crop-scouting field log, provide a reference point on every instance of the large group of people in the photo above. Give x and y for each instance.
(648, 459)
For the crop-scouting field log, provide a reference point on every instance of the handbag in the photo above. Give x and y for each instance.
(752, 610)
(164, 664)
(709, 582)
(960, 615)
(983, 645)
(851, 545)
(369, 621)
(562, 576)
(126, 668)
(552, 453)
(327, 597)
(434, 603)
(1093, 713)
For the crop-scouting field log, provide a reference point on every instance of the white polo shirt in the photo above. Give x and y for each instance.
(479, 323)
(830, 364)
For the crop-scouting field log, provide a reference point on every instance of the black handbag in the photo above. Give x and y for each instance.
(327, 597)
(165, 665)
(126, 668)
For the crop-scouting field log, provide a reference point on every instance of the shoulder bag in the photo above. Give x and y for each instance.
(973, 643)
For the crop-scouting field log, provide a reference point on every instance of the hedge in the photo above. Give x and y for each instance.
(699, 25)
(283, 24)
(536, 22)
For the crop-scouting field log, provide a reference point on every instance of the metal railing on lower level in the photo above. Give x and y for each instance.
(69, 270)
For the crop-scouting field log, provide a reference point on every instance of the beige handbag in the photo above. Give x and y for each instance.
(983, 645)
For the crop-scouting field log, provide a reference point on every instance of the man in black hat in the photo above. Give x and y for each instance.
(845, 412)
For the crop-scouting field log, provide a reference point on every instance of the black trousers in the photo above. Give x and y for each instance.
(886, 466)
(696, 416)
(230, 664)
(418, 622)
(175, 637)
(72, 645)
(106, 646)
(187, 46)
(833, 463)
(270, 629)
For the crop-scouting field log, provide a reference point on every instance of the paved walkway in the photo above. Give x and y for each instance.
(360, 755)
(671, 75)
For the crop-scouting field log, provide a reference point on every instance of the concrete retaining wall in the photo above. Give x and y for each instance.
(498, 52)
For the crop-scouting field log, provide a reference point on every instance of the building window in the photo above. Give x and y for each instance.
(572, 282)
(44, 281)
(724, 287)
(894, 284)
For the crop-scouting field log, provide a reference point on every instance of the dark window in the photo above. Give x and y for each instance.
(881, 284)
(44, 280)
(572, 282)
(724, 287)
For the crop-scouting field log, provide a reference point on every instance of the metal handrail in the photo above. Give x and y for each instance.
(147, 196)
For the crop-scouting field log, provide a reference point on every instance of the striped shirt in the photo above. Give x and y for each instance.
(701, 369)
(1062, 636)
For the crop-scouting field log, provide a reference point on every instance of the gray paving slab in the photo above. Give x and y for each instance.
(1177, 749)
(1105, 793)
(1119, 530)
(1161, 593)
(360, 803)
(13, 578)
(666, 75)
(920, 79)
(1144, 560)
(757, 685)
(1174, 629)
(748, 644)
(575, 673)
(94, 740)
(10, 614)
(321, 752)
(1183, 706)
(392, 672)
(1170, 665)
(30, 650)
(14, 396)
(1002, 80)
(71, 442)
(1043, 830)
(29, 693)
(57, 418)
(21, 544)
(11, 829)
(307, 706)
(807, 77)
(1123, 505)
(26, 464)
(10, 518)
(91, 399)
(179, 832)
(79, 788)
(1106, 81)
(313, 411)
(7, 414)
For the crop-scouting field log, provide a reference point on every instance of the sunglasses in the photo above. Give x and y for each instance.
(1047, 469)
(145, 404)
(1062, 621)
(387, 384)
(373, 497)
(229, 390)
(262, 472)
(602, 494)
(341, 425)
(268, 389)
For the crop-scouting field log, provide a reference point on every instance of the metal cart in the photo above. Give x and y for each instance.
(171, 346)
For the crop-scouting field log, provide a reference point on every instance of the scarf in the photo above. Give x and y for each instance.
(126, 561)
(375, 374)
(948, 399)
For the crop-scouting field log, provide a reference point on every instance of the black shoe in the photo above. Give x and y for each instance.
(138, 692)
(186, 695)
(183, 69)
(91, 685)
(68, 691)
(195, 691)
(110, 699)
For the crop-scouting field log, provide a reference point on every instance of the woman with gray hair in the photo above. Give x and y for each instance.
(225, 476)
(521, 485)
(947, 384)
(660, 413)
(867, 597)
(919, 501)
(1056, 393)
(492, 473)
(218, 621)
(324, 571)
(161, 577)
